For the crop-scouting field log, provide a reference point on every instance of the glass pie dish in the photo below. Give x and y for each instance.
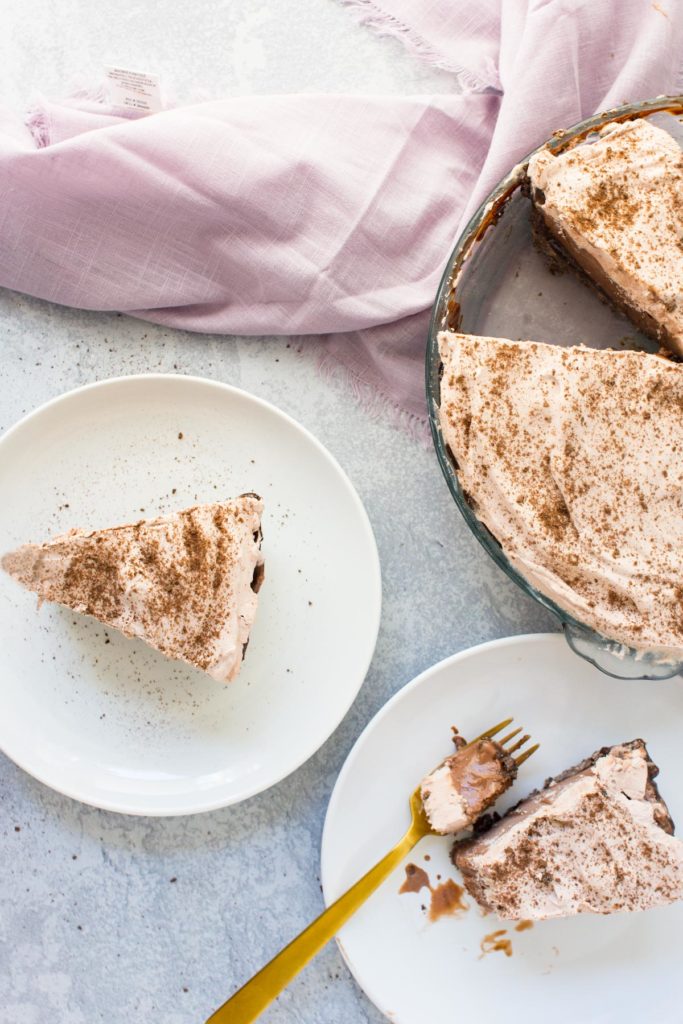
(496, 284)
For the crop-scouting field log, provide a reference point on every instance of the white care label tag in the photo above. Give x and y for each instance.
(135, 90)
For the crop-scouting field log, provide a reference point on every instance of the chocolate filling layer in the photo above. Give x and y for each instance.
(481, 773)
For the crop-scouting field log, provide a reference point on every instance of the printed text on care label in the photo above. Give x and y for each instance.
(135, 90)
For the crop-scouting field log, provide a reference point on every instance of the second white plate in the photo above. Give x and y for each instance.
(108, 720)
(597, 970)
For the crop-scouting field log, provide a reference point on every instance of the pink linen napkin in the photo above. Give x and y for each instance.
(308, 215)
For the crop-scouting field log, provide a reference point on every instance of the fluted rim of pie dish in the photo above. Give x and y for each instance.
(483, 218)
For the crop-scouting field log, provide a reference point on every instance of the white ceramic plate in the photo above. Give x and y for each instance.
(624, 967)
(111, 722)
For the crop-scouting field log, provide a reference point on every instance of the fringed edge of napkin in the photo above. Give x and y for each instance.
(369, 14)
(378, 404)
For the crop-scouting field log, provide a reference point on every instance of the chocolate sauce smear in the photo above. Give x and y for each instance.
(496, 943)
(446, 898)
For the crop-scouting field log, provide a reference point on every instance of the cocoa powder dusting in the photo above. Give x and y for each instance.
(93, 580)
(607, 202)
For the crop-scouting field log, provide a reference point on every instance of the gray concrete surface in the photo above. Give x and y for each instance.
(126, 920)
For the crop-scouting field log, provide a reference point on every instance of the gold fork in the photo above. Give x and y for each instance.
(252, 999)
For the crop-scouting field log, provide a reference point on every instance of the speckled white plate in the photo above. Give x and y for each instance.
(111, 722)
(596, 970)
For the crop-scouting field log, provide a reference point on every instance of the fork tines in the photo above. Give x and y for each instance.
(494, 730)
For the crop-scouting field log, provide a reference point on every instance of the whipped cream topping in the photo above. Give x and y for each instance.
(444, 806)
(596, 840)
(185, 583)
(620, 200)
(463, 786)
(572, 457)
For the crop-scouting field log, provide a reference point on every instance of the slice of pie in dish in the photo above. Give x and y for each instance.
(613, 210)
(573, 460)
(596, 839)
(185, 583)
